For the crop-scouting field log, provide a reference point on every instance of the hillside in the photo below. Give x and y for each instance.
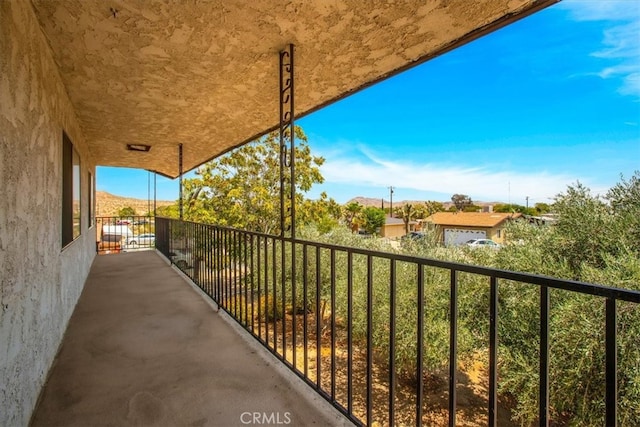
(108, 204)
(369, 201)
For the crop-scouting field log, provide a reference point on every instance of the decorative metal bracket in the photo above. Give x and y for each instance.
(287, 145)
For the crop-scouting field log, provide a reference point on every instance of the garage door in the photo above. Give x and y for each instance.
(453, 236)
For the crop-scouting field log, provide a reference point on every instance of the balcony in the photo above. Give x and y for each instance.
(143, 346)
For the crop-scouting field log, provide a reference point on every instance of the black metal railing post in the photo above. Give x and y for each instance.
(543, 399)
(420, 343)
(493, 352)
(453, 347)
(611, 370)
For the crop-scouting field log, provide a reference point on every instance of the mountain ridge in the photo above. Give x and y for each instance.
(375, 202)
(108, 204)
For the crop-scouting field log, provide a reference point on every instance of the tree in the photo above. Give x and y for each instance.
(351, 213)
(461, 201)
(170, 211)
(624, 200)
(512, 208)
(324, 212)
(542, 208)
(407, 213)
(585, 230)
(432, 207)
(591, 241)
(507, 208)
(373, 219)
(126, 212)
(242, 188)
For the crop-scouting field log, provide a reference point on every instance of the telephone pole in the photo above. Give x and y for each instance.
(391, 202)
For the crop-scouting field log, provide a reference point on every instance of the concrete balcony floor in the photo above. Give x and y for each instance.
(144, 347)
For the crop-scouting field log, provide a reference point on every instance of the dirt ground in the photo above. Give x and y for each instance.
(472, 386)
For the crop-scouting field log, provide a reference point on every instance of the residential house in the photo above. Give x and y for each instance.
(395, 227)
(455, 228)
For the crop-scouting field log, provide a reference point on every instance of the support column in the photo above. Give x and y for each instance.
(180, 172)
(155, 193)
(287, 148)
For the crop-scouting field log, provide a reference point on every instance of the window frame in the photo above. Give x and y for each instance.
(71, 192)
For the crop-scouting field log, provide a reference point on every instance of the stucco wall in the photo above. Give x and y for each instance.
(40, 282)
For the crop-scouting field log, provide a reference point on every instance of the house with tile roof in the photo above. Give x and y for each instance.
(455, 228)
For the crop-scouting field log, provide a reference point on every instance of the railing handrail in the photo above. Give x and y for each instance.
(621, 294)
(235, 253)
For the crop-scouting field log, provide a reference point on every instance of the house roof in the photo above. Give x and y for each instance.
(396, 221)
(471, 219)
(205, 73)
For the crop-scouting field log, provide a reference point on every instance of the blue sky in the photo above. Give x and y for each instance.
(525, 111)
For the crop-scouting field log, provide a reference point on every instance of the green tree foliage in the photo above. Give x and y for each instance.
(126, 211)
(352, 215)
(512, 208)
(472, 208)
(171, 211)
(428, 208)
(592, 241)
(461, 201)
(585, 231)
(373, 219)
(542, 208)
(324, 212)
(624, 200)
(242, 188)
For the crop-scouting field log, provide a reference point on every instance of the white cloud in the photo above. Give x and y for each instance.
(481, 183)
(601, 10)
(620, 41)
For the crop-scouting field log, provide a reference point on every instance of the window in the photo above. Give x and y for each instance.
(499, 233)
(71, 211)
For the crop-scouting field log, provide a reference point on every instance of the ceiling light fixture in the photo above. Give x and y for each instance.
(138, 147)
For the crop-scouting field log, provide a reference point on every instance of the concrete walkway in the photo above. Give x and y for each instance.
(144, 348)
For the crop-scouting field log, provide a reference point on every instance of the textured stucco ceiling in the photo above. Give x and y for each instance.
(205, 73)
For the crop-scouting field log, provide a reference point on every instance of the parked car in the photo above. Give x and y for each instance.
(413, 235)
(482, 243)
(142, 240)
(110, 243)
(113, 237)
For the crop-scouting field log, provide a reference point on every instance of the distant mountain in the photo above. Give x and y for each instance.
(108, 204)
(370, 201)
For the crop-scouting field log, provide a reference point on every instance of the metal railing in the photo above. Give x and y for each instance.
(337, 316)
(122, 234)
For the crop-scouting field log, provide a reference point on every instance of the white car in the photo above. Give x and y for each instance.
(482, 243)
(148, 239)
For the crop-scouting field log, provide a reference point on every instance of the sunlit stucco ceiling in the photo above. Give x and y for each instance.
(205, 73)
